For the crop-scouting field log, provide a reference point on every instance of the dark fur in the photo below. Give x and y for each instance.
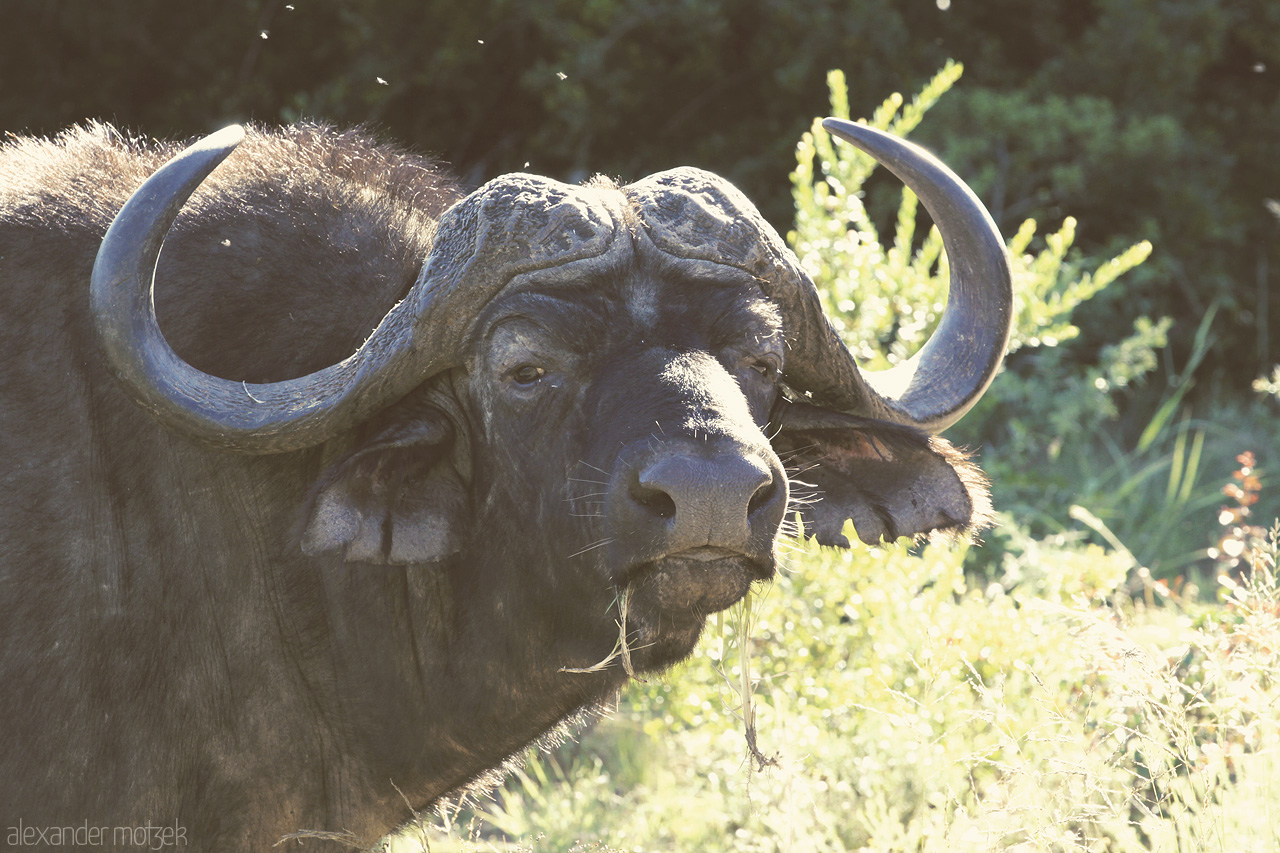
(171, 655)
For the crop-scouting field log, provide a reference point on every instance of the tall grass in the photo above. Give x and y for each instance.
(909, 709)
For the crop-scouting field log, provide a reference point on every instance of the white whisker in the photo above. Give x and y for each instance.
(591, 547)
(587, 495)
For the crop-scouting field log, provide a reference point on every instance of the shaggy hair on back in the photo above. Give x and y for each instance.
(297, 208)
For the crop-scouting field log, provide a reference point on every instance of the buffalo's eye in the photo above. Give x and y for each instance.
(527, 374)
(767, 366)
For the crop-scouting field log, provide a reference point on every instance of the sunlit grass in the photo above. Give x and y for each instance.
(910, 709)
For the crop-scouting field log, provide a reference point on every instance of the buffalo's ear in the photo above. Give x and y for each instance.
(398, 498)
(890, 480)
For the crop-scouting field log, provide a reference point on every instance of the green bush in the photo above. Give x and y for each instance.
(887, 298)
(1048, 426)
(1065, 437)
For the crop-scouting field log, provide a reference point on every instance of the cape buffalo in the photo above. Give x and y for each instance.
(253, 583)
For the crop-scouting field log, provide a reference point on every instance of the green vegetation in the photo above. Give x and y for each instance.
(1059, 688)
(908, 708)
(1066, 441)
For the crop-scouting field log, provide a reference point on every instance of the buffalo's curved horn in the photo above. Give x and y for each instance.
(221, 413)
(514, 226)
(951, 371)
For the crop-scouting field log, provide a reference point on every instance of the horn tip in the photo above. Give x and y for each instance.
(843, 126)
(224, 140)
(219, 142)
(880, 144)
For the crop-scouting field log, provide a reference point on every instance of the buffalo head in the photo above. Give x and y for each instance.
(611, 388)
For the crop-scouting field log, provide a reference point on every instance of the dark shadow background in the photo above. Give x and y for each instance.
(1145, 119)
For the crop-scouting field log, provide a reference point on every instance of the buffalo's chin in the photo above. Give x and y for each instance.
(669, 600)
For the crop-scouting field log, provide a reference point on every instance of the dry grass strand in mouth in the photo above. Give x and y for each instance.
(744, 616)
(345, 837)
(621, 648)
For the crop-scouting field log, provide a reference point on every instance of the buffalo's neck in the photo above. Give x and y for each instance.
(443, 672)
(519, 637)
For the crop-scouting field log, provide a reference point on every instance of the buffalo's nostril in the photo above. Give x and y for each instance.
(764, 496)
(654, 498)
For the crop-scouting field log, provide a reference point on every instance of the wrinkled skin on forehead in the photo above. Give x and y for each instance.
(527, 227)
